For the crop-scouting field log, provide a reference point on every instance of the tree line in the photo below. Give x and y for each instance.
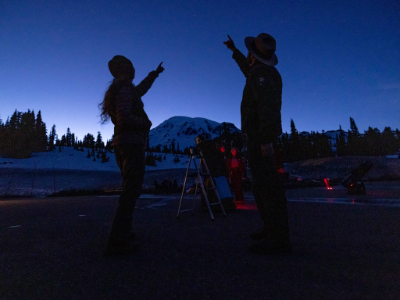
(304, 146)
(24, 133)
(315, 145)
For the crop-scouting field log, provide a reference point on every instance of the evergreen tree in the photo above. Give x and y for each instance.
(108, 146)
(15, 120)
(372, 141)
(68, 138)
(88, 141)
(388, 141)
(353, 127)
(18, 135)
(398, 139)
(99, 141)
(27, 130)
(173, 146)
(57, 141)
(294, 154)
(40, 133)
(2, 135)
(52, 137)
(63, 141)
(324, 146)
(165, 149)
(354, 142)
(293, 131)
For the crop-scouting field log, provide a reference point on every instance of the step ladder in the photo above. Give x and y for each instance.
(200, 183)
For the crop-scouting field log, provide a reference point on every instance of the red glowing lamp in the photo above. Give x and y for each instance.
(326, 180)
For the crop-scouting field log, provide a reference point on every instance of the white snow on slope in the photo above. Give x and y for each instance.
(184, 130)
(70, 159)
(50, 172)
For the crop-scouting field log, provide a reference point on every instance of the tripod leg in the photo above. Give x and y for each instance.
(184, 185)
(206, 200)
(203, 161)
(199, 180)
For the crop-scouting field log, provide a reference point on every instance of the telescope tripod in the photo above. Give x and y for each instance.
(200, 183)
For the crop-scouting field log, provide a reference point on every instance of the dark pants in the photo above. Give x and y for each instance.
(131, 161)
(269, 192)
(236, 183)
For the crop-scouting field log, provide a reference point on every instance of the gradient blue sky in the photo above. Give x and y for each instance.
(338, 59)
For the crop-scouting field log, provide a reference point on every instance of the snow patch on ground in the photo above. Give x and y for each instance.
(70, 159)
(50, 172)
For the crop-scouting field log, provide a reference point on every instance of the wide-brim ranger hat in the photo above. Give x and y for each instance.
(120, 66)
(263, 48)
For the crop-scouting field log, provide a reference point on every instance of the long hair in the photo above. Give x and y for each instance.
(107, 107)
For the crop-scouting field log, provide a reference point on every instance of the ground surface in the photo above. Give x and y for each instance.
(337, 168)
(345, 247)
(41, 183)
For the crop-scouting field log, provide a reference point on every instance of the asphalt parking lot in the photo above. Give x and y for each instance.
(345, 247)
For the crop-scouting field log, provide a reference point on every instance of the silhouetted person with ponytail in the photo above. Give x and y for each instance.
(123, 105)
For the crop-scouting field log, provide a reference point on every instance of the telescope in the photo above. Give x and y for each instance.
(353, 182)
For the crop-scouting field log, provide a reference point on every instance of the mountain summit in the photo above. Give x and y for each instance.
(182, 131)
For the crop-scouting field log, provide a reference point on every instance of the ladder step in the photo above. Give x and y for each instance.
(205, 174)
(209, 188)
(217, 203)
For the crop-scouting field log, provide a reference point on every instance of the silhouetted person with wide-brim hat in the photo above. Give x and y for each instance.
(123, 105)
(261, 121)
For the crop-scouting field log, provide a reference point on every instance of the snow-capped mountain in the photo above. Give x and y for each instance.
(184, 130)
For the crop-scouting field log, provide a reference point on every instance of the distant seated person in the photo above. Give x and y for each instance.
(237, 172)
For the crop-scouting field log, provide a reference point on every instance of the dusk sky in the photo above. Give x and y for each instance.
(337, 59)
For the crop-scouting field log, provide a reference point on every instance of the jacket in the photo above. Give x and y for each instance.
(131, 123)
(260, 108)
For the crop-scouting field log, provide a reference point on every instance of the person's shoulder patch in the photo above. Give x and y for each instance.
(261, 80)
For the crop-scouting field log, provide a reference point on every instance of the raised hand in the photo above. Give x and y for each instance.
(230, 44)
(160, 68)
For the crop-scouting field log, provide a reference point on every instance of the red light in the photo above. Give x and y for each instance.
(326, 180)
(246, 206)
